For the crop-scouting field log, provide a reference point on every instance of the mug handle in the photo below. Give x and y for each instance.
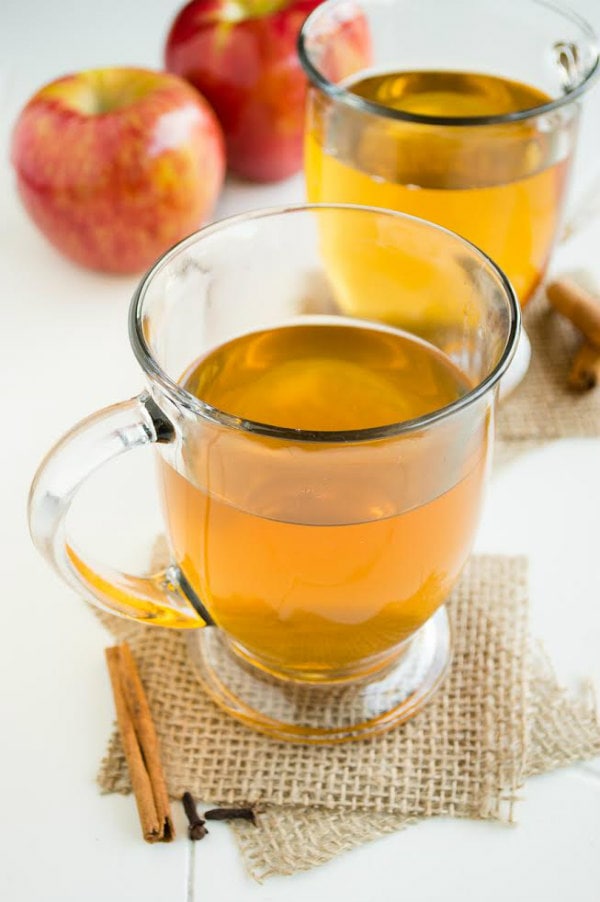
(164, 598)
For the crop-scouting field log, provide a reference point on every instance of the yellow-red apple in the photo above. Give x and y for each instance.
(116, 165)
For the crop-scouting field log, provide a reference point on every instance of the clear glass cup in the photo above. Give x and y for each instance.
(316, 560)
(475, 131)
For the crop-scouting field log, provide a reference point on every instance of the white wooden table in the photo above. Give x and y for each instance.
(64, 353)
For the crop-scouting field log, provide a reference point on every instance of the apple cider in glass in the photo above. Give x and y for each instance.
(321, 472)
(310, 581)
(500, 185)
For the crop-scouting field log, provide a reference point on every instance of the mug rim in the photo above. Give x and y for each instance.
(182, 398)
(343, 95)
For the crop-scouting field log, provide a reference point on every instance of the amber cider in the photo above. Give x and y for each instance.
(498, 185)
(317, 555)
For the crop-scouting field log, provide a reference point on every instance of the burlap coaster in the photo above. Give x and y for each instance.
(542, 407)
(562, 730)
(498, 718)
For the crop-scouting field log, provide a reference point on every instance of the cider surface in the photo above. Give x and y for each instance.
(326, 377)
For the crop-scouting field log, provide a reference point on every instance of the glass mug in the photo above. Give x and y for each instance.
(464, 113)
(321, 474)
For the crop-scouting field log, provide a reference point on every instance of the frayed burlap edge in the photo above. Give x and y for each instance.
(563, 729)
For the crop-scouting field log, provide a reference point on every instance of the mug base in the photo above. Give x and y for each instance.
(315, 713)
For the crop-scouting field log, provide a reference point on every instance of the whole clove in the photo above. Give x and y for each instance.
(196, 828)
(231, 814)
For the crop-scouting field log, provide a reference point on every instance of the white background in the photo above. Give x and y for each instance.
(64, 353)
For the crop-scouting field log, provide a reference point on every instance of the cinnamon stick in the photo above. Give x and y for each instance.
(585, 369)
(580, 307)
(140, 745)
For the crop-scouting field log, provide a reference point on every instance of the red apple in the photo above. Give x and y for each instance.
(116, 165)
(241, 54)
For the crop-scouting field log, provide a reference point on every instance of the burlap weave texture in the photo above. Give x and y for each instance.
(543, 407)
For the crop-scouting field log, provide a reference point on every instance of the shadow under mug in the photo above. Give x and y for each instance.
(310, 568)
